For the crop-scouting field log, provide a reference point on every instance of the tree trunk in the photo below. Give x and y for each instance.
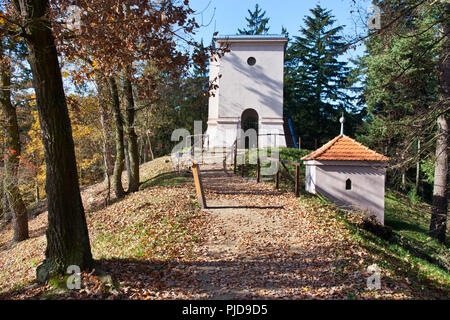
(150, 146)
(438, 223)
(120, 153)
(7, 207)
(1, 197)
(11, 181)
(132, 139)
(105, 123)
(5, 203)
(67, 233)
(403, 170)
(36, 192)
(36, 183)
(403, 174)
(144, 150)
(127, 161)
(418, 166)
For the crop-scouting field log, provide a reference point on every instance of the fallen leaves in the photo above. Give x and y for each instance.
(252, 243)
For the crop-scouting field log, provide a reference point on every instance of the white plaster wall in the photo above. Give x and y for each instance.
(368, 187)
(311, 179)
(242, 87)
(259, 87)
(214, 72)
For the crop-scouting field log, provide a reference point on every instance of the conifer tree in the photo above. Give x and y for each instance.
(316, 81)
(256, 22)
(406, 90)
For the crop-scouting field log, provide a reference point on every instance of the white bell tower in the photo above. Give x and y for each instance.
(250, 95)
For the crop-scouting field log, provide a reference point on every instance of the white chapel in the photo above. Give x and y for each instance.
(250, 79)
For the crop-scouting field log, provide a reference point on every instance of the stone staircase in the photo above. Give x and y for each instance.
(206, 157)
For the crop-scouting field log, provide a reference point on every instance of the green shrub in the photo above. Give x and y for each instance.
(413, 197)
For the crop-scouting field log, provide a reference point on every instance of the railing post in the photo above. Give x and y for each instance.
(198, 185)
(297, 180)
(277, 177)
(258, 171)
(235, 156)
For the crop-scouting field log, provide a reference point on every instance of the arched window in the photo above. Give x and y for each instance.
(348, 184)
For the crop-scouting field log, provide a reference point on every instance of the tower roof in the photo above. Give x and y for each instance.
(251, 38)
(343, 148)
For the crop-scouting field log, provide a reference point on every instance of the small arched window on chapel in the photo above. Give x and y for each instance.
(348, 184)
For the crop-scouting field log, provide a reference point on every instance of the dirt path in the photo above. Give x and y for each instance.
(261, 245)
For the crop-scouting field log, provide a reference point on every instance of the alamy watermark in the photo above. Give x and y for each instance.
(227, 144)
(374, 281)
(74, 281)
(74, 18)
(374, 20)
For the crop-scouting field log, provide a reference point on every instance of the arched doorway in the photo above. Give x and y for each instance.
(250, 120)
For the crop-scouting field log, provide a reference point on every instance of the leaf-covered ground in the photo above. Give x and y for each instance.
(251, 243)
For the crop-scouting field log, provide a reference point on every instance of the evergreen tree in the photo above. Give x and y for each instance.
(407, 96)
(316, 82)
(195, 102)
(256, 22)
(396, 91)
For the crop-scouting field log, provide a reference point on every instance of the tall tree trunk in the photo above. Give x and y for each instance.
(419, 150)
(403, 170)
(438, 223)
(67, 233)
(36, 192)
(144, 150)
(150, 146)
(105, 123)
(127, 161)
(108, 161)
(36, 183)
(7, 207)
(120, 153)
(132, 139)
(403, 174)
(1, 197)
(11, 181)
(7, 216)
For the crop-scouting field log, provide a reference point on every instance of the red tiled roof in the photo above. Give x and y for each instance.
(344, 148)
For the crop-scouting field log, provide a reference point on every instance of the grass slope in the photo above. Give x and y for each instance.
(160, 223)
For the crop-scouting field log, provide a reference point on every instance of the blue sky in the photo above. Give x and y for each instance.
(226, 16)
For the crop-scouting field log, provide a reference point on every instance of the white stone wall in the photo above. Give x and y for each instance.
(368, 185)
(311, 179)
(214, 71)
(241, 87)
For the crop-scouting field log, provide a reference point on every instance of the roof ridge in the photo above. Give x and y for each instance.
(331, 143)
(354, 147)
(325, 147)
(367, 148)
